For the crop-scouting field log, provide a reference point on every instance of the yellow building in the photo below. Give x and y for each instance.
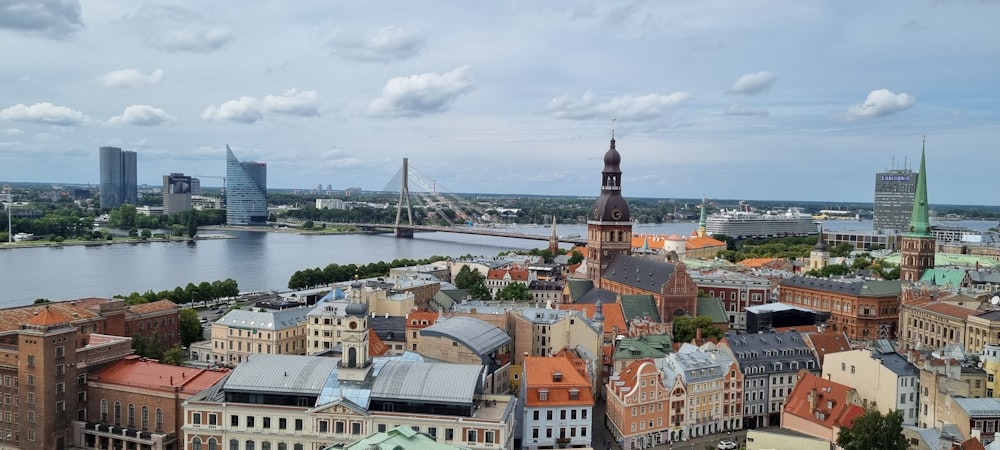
(982, 330)
(991, 364)
(244, 332)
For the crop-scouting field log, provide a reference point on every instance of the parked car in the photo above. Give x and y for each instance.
(726, 445)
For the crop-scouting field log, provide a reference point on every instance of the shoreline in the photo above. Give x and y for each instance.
(132, 241)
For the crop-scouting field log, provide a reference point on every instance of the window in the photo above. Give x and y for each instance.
(234, 444)
(196, 418)
(31, 362)
(159, 419)
(31, 416)
(60, 352)
(282, 423)
(853, 370)
(266, 445)
(60, 406)
(250, 421)
(212, 444)
(145, 417)
(234, 420)
(843, 367)
(449, 434)
(213, 419)
(248, 445)
(543, 394)
(470, 436)
(267, 422)
(31, 398)
(298, 424)
(118, 413)
(324, 426)
(131, 415)
(356, 428)
(104, 410)
(31, 380)
(381, 428)
(489, 437)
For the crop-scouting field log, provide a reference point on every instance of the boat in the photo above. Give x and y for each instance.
(21, 237)
(744, 222)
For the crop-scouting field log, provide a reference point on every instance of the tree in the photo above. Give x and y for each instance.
(514, 291)
(830, 270)
(575, 257)
(146, 234)
(308, 225)
(466, 277)
(685, 328)
(480, 292)
(873, 430)
(190, 326)
(173, 356)
(192, 226)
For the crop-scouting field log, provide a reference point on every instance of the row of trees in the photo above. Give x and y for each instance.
(201, 292)
(335, 273)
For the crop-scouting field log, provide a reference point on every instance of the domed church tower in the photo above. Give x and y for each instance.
(609, 230)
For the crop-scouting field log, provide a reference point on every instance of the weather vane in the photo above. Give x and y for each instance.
(613, 120)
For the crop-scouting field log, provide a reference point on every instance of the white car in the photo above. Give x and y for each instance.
(726, 445)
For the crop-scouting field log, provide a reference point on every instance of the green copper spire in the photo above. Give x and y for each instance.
(702, 223)
(920, 224)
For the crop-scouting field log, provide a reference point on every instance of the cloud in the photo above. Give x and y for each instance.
(293, 101)
(131, 78)
(11, 131)
(45, 113)
(178, 29)
(56, 19)
(244, 109)
(626, 107)
(738, 110)
(753, 83)
(391, 43)
(422, 94)
(141, 115)
(880, 102)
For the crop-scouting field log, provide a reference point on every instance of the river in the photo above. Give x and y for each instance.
(256, 260)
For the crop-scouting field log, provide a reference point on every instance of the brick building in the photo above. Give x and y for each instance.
(864, 309)
(672, 288)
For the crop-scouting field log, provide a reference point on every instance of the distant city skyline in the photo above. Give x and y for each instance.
(717, 99)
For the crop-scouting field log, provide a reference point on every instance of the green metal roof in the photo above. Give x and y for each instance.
(944, 277)
(400, 437)
(920, 223)
(650, 346)
(712, 307)
(578, 287)
(639, 306)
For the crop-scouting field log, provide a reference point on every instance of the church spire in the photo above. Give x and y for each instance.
(920, 218)
(702, 222)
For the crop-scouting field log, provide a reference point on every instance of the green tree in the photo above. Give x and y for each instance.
(146, 234)
(189, 326)
(308, 225)
(841, 250)
(480, 292)
(873, 430)
(575, 257)
(685, 328)
(174, 356)
(42, 300)
(192, 226)
(830, 271)
(514, 291)
(466, 278)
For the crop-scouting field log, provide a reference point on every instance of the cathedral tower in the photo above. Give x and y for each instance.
(609, 230)
(918, 242)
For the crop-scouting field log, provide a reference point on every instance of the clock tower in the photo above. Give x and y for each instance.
(609, 230)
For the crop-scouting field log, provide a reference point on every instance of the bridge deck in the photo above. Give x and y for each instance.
(469, 230)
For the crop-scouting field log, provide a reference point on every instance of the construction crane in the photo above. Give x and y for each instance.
(216, 177)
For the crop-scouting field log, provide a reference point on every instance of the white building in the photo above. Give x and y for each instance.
(879, 375)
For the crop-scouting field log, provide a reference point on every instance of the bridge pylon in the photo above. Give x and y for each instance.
(404, 196)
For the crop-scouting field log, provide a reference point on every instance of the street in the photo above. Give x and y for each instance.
(602, 435)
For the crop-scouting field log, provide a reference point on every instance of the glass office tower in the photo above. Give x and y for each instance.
(246, 191)
(119, 183)
(894, 191)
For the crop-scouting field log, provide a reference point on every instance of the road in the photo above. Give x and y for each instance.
(601, 436)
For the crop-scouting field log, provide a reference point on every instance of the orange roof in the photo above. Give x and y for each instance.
(825, 343)
(971, 444)
(415, 319)
(376, 346)
(655, 240)
(148, 373)
(52, 313)
(151, 307)
(949, 310)
(613, 314)
(629, 376)
(695, 243)
(516, 274)
(578, 248)
(540, 374)
(831, 400)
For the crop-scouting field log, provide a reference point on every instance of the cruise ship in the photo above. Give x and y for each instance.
(744, 222)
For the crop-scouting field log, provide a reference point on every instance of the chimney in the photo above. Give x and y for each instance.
(812, 400)
(697, 334)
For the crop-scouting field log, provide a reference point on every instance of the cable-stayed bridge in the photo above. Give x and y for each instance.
(461, 216)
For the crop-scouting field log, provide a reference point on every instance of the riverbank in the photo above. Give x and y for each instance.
(116, 241)
(286, 230)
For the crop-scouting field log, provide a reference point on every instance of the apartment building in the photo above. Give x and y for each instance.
(245, 332)
(641, 409)
(864, 309)
(736, 290)
(713, 384)
(557, 403)
(880, 375)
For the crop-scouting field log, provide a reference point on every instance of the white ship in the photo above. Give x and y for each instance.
(744, 222)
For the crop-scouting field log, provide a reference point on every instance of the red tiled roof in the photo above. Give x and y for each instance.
(613, 315)
(540, 374)
(695, 243)
(66, 312)
(376, 346)
(151, 307)
(830, 398)
(516, 274)
(415, 318)
(971, 444)
(629, 376)
(825, 343)
(150, 374)
(949, 310)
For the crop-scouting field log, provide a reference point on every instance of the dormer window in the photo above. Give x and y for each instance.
(574, 394)
(543, 394)
(557, 376)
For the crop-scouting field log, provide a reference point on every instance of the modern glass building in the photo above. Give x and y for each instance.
(246, 191)
(894, 199)
(176, 191)
(119, 183)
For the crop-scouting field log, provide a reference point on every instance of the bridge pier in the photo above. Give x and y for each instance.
(406, 233)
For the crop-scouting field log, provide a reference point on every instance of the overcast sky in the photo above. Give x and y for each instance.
(797, 100)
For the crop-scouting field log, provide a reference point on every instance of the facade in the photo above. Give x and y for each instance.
(774, 438)
(119, 182)
(242, 333)
(819, 257)
(864, 309)
(927, 322)
(990, 358)
(918, 245)
(558, 405)
(609, 228)
(672, 288)
(465, 340)
(894, 190)
(136, 403)
(941, 381)
(246, 191)
(978, 416)
(820, 408)
(177, 191)
(770, 363)
(635, 398)
(712, 385)
(737, 291)
(883, 377)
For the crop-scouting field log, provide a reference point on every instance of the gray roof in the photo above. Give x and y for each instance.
(269, 319)
(597, 295)
(640, 273)
(694, 364)
(392, 328)
(850, 286)
(423, 381)
(285, 374)
(774, 307)
(979, 407)
(773, 351)
(480, 336)
(897, 364)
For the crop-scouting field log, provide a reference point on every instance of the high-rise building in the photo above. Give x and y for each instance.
(177, 189)
(119, 183)
(246, 191)
(609, 230)
(894, 191)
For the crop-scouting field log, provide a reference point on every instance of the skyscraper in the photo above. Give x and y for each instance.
(246, 191)
(177, 190)
(894, 190)
(119, 183)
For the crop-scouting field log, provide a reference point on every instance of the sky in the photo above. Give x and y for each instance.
(766, 100)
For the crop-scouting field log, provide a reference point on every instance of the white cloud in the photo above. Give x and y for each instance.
(293, 101)
(244, 109)
(45, 113)
(56, 19)
(422, 94)
(626, 107)
(739, 110)
(753, 83)
(11, 131)
(880, 102)
(175, 28)
(131, 78)
(141, 115)
(390, 43)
